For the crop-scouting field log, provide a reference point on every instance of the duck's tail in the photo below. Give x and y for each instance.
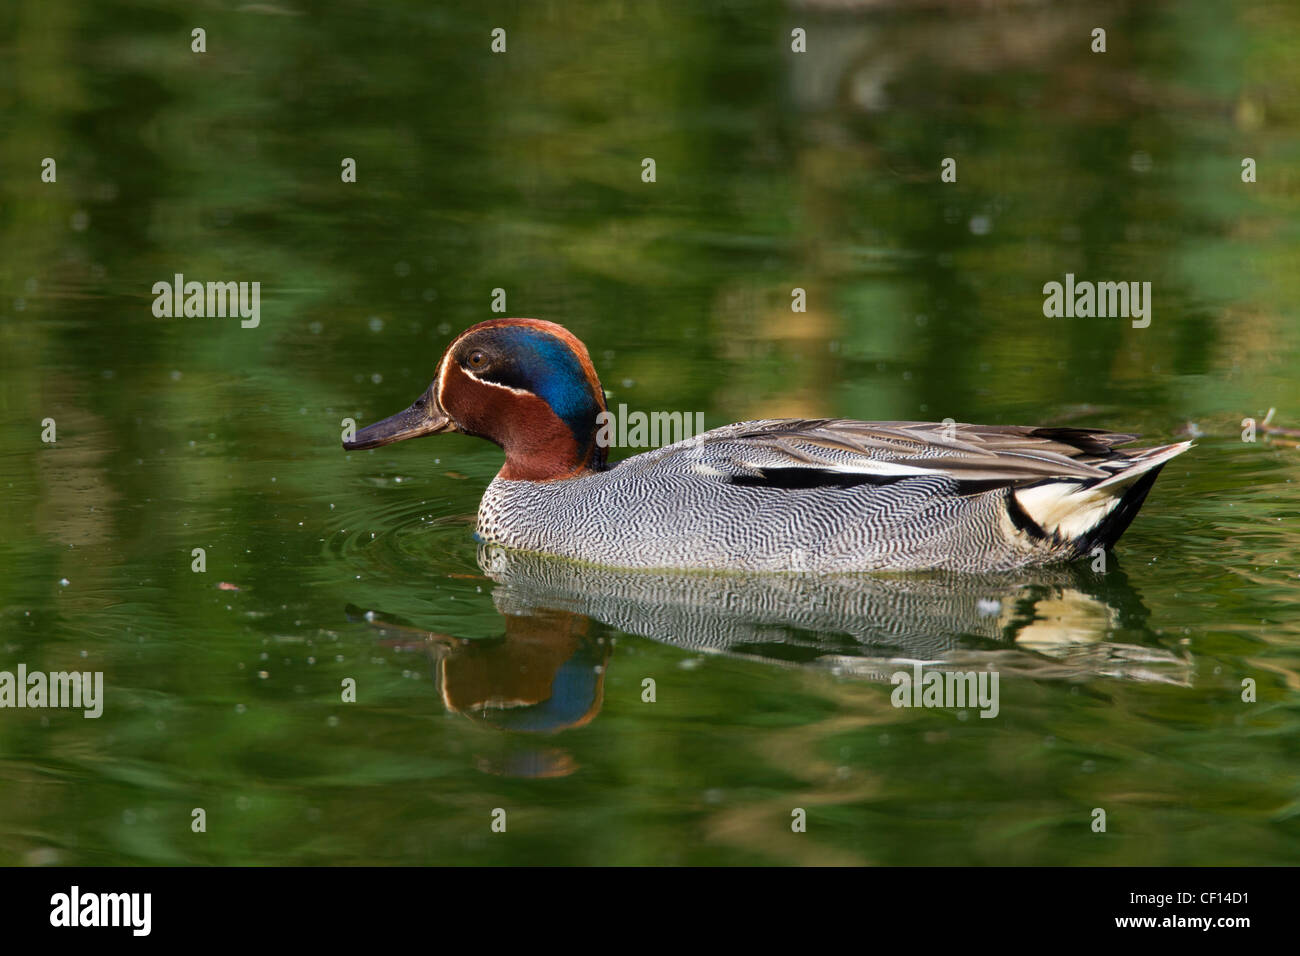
(1096, 512)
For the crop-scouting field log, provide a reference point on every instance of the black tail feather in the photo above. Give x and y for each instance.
(1109, 529)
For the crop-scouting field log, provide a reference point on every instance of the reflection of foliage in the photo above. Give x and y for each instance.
(522, 172)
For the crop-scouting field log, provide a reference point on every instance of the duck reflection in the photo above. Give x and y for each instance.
(546, 673)
(1057, 622)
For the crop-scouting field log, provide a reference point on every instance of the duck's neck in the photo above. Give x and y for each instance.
(539, 444)
(548, 456)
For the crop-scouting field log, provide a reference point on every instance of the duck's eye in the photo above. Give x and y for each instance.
(477, 359)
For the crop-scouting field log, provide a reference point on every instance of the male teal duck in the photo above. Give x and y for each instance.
(816, 495)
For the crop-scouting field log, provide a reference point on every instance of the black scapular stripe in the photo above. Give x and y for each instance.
(798, 478)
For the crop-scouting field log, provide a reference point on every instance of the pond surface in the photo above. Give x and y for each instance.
(488, 682)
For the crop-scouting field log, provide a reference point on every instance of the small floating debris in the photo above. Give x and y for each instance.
(227, 586)
(1287, 436)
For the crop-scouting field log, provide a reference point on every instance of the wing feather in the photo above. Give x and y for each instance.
(1001, 454)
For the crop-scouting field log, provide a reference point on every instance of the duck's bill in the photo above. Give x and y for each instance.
(422, 418)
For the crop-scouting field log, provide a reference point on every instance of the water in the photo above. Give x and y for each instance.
(522, 172)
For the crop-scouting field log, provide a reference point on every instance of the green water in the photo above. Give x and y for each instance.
(521, 171)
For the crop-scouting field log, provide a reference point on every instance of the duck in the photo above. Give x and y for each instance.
(816, 495)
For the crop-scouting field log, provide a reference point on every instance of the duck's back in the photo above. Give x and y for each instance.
(837, 496)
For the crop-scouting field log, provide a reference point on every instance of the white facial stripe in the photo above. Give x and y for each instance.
(446, 357)
(442, 382)
(504, 388)
(442, 375)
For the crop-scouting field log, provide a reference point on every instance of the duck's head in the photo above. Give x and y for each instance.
(526, 384)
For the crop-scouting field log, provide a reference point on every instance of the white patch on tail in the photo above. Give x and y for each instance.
(1071, 510)
(1066, 507)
